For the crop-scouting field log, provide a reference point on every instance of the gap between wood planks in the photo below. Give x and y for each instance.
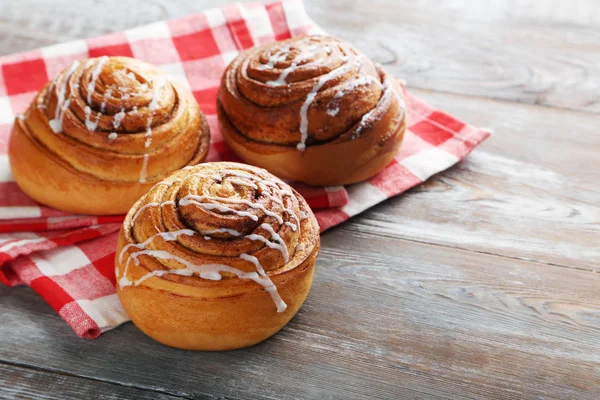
(54, 371)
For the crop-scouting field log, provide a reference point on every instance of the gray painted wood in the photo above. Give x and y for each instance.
(528, 51)
(530, 192)
(386, 317)
(27, 383)
(481, 283)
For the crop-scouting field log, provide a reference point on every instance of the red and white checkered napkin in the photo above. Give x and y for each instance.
(69, 259)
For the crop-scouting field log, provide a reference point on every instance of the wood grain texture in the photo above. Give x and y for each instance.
(527, 51)
(26, 384)
(531, 192)
(386, 318)
(483, 283)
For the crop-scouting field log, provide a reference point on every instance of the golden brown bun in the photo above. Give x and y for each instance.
(198, 256)
(311, 109)
(102, 133)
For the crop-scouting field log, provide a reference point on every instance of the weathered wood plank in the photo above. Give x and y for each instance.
(386, 318)
(518, 51)
(24, 383)
(563, 141)
(545, 53)
(531, 192)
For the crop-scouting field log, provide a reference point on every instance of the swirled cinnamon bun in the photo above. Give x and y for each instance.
(102, 133)
(311, 109)
(217, 256)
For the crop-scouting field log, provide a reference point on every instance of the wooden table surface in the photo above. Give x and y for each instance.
(482, 283)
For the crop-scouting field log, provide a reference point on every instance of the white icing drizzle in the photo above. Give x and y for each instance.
(95, 73)
(332, 112)
(56, 124)
(388, 90)
(271, 289)
(210, 206)
(287, 210)
(278, 241)
(118, 118)
(91, 126)
(144, 172)
(145, 206)
(243, 183)
(232, 232)
(239, 174)
(274, 185)
(280, 55)
(167, 183)
(107, 94)
(213, 271)
(280, 81)
(156, 91)
(351, 85)
(168, 236)
(205, 271)
(309, 99)
(200, 199)
(112, 136)
(292, 226)
(271, 184)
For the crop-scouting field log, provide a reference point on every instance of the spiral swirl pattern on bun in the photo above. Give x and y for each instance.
(228, 245)
(112, 121)
(311, 109)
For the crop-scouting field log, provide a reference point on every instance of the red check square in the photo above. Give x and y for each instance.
(196, 45)
(206, 100)
(24, 76)
(51, 291)
(437, 128)
(115, 50)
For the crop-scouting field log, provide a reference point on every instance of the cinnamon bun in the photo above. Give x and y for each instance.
(217, 256)
(102, 133)
(311, 109)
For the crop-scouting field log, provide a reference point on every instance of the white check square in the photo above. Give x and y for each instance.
(428, 162)
(60, 261)
(6, 114)
(215, 17)
(65, 49)
(176, 71)
(157, 30)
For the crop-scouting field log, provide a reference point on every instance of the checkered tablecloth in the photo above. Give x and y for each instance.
(69, 259)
